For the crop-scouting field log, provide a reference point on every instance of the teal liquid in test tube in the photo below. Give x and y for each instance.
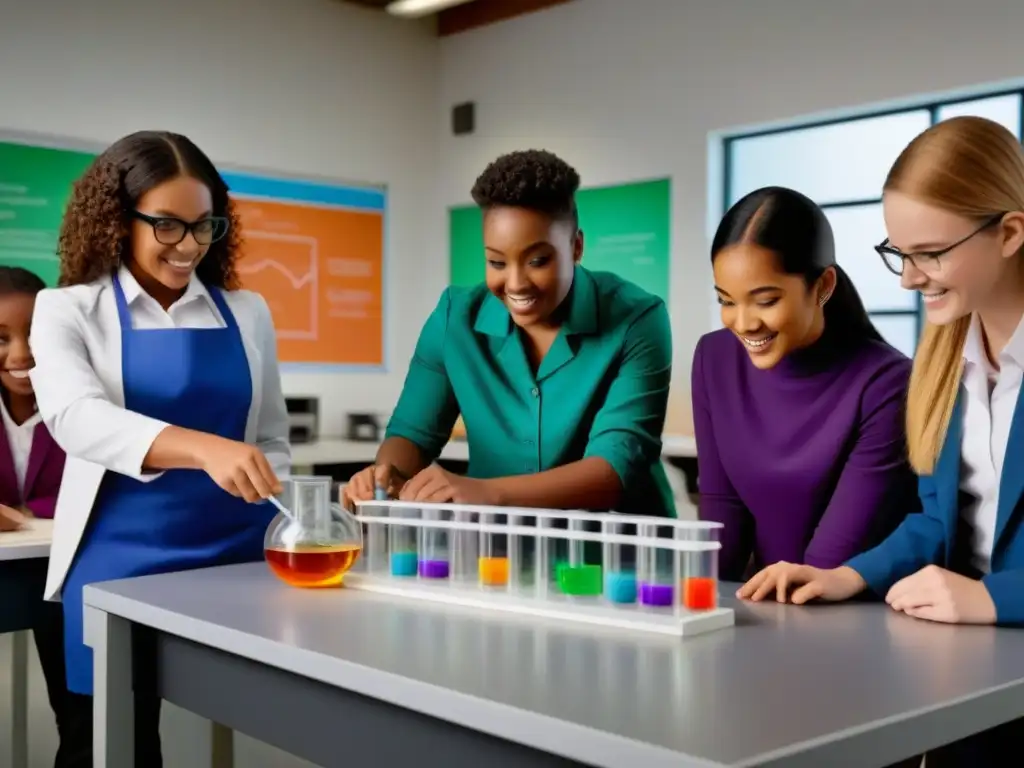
(620, 566)
(401, 540)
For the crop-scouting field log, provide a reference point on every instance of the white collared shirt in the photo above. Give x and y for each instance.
(991, 398)
(19, 438)
(195, 309)
(76, 342)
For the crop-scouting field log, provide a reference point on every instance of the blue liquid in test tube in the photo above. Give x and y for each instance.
(620, 587)
(619, 564)
(403, 557)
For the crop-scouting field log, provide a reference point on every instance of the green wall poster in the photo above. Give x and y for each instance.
(35, 184)
(625, 228)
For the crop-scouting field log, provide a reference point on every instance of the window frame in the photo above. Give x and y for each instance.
(933, 107)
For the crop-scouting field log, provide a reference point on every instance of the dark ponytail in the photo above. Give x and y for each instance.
(845, 315)
(796, 230)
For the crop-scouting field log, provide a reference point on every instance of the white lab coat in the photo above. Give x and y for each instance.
(76, 342)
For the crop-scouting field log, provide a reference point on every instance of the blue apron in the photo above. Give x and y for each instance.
(192, 378)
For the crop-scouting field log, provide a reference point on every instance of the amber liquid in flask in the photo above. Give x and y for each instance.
(313, 565)
(312, 542)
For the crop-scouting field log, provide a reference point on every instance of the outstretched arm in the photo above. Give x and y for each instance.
(425, 415)
(917, 542)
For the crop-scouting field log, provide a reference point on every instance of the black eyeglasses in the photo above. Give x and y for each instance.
(927, 261)
(169, 230)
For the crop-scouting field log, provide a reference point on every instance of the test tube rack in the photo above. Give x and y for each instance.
(630, 572)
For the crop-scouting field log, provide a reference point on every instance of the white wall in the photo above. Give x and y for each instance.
(630, 90)
(301, 86)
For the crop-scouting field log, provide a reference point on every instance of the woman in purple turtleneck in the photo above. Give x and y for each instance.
(798, 402)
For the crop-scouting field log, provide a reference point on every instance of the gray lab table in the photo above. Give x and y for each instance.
(342, 677)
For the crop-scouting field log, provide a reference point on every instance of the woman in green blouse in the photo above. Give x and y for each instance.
(561, 375)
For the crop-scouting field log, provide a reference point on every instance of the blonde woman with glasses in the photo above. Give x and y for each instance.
(954, 212)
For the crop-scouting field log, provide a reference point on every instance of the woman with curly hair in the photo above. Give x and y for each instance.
(159, 379)
(561, 374)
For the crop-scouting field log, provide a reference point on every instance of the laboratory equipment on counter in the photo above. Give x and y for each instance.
(577, 576)
(699, 585)
(433, 547)
(402, 555)
(628, 572)
(658, 570)
(619, 563)
(316, 542)
(493, 562)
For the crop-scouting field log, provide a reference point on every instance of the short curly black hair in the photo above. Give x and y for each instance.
(535, 179)
(94, 237)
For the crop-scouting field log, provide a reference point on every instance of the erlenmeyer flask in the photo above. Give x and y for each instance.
(318, 543)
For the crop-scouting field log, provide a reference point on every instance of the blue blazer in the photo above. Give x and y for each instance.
(927, 538)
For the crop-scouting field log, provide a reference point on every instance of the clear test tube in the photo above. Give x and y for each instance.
(542, 558)
(375, 539)
(492, 566)
(698, 585)
(619, 566)
(515, 554)
(657, 571)
(558, 554)
(433, 546)
(521, 554)
(465, 548)
(402, 542)
(577, 577)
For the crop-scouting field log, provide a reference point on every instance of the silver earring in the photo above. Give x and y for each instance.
(824, 299)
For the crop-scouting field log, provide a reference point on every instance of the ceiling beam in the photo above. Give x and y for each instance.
(481, 13)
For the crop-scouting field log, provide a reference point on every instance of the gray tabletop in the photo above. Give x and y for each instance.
(852, 684)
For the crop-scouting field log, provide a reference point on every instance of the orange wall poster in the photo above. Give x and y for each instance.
(315, 251)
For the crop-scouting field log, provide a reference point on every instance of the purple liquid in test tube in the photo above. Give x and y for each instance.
(656, 594)
(434, 569)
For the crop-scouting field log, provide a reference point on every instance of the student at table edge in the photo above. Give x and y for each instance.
(561, 374)
(160, 380)
(31, 466)
(954, 212)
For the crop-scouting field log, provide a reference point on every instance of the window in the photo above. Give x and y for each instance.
(1005, 110)
(830, 164)
(842, 165)
(857, 229)
(901, 331)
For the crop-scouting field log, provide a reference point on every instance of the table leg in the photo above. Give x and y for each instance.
(222, 746)
(113, 718)
(19, 700)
